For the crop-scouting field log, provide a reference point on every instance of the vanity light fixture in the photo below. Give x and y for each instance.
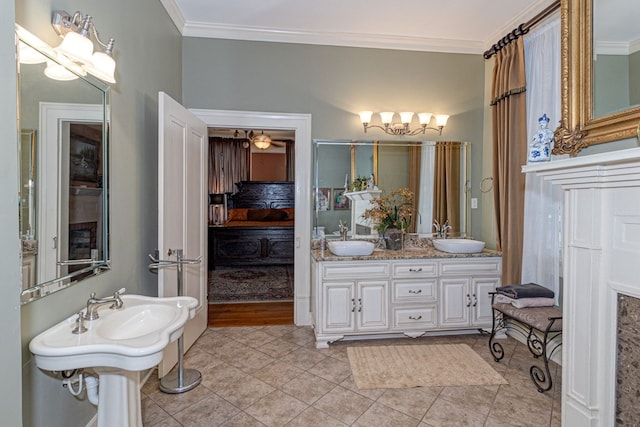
(77, 45)
(403, 128)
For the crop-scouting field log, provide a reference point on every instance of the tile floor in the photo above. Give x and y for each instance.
(274, 376)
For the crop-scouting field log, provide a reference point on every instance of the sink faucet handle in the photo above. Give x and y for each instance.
(80, 328)
(120, 291)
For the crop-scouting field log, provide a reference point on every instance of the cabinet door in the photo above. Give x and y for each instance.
(481, 300)
(372, 305)
(455, 301)
(338, 307)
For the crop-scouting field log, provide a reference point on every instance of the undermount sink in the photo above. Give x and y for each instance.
(459, 246)
(350, 247)
(131, 338)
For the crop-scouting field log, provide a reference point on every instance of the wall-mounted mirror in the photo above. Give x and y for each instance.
(437, 173)
(63, 168)
(600, 73)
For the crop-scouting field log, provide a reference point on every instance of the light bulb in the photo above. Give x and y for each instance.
(102, 66)
(441, 120)
(56, 71)
(406, 116)
(76, 47)
(424, 118)
(386, 117)
(365, 116)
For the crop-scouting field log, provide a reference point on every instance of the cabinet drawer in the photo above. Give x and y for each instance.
(415, 269)
(423, 317)
(339, 270)
(471, 267)
(414, 290)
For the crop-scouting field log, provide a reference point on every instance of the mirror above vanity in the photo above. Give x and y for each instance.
(436, 172)
(63, 149)
(600, 56)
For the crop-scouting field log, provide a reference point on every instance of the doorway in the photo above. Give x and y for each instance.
(300, 124)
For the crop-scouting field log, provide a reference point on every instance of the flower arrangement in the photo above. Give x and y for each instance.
(394, 210)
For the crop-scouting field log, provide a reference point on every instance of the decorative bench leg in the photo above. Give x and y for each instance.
(496, 349)
(542, 377)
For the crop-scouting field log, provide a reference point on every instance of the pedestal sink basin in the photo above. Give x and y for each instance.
(350, 247)
(458, 246)
(116, 345)
(130, 338)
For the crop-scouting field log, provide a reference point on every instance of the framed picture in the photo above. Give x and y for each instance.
(323, 199)
(85, 146)
(340, 201)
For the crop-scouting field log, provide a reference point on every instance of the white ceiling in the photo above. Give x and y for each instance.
(458, 26)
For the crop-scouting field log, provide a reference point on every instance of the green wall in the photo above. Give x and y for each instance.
(335, 83)
(148, 52)
(10, 247)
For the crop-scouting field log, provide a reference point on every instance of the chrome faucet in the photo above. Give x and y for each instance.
(343, 230)
(94, 303)
(441, 230)
(445, 228)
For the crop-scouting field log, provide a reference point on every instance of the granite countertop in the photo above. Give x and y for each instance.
(407, 253)
(415, 248)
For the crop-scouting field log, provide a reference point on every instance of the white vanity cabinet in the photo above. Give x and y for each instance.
(401, 296)
(464, 287)
(352, 298)
(414, 297)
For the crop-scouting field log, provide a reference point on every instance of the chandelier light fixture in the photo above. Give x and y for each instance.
(77, 45)
(403, 128)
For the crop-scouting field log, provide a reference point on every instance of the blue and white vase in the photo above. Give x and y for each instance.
(542, 142)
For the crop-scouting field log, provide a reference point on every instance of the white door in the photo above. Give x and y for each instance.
(182, 209)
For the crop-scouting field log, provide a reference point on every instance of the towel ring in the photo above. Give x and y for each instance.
(483, 187)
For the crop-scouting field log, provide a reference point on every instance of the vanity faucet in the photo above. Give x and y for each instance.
(94, 303)
(441, 230)
(343, 230)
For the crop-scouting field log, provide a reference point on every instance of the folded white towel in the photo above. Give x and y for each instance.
(533, 302)
(525, 302)
(503, 299)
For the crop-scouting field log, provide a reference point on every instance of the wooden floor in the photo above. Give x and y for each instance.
(251, 314)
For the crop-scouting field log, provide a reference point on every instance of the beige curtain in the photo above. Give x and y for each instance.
(509, 154)
(227, 164)
(415, 153)
(446, 184)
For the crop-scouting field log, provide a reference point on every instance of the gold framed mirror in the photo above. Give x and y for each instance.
(579, 126)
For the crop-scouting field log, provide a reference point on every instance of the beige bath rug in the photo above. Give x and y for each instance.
(405, 366)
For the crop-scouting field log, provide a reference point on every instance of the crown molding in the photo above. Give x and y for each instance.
(174, 13)
(362, 40)
(378, 41)
(535, 8)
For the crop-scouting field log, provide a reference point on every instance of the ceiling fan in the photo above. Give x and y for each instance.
(262, 141)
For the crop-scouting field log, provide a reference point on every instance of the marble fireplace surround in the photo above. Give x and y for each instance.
(601, 252)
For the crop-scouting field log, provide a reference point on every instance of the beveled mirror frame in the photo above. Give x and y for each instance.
(578, 128)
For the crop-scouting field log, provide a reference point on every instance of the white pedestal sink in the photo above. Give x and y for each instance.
(117, 345)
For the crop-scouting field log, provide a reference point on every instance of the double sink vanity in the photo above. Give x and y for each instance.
(412, 292)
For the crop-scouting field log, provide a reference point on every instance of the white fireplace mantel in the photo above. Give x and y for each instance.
(601, 259)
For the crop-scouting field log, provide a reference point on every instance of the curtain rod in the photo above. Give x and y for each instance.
(521, 29)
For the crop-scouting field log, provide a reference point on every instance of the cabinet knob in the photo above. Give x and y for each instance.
(353, 305)
(411, 291)
(359, 305)
(415, 270)
(415, 317)
(468, 300)
(475, 300)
